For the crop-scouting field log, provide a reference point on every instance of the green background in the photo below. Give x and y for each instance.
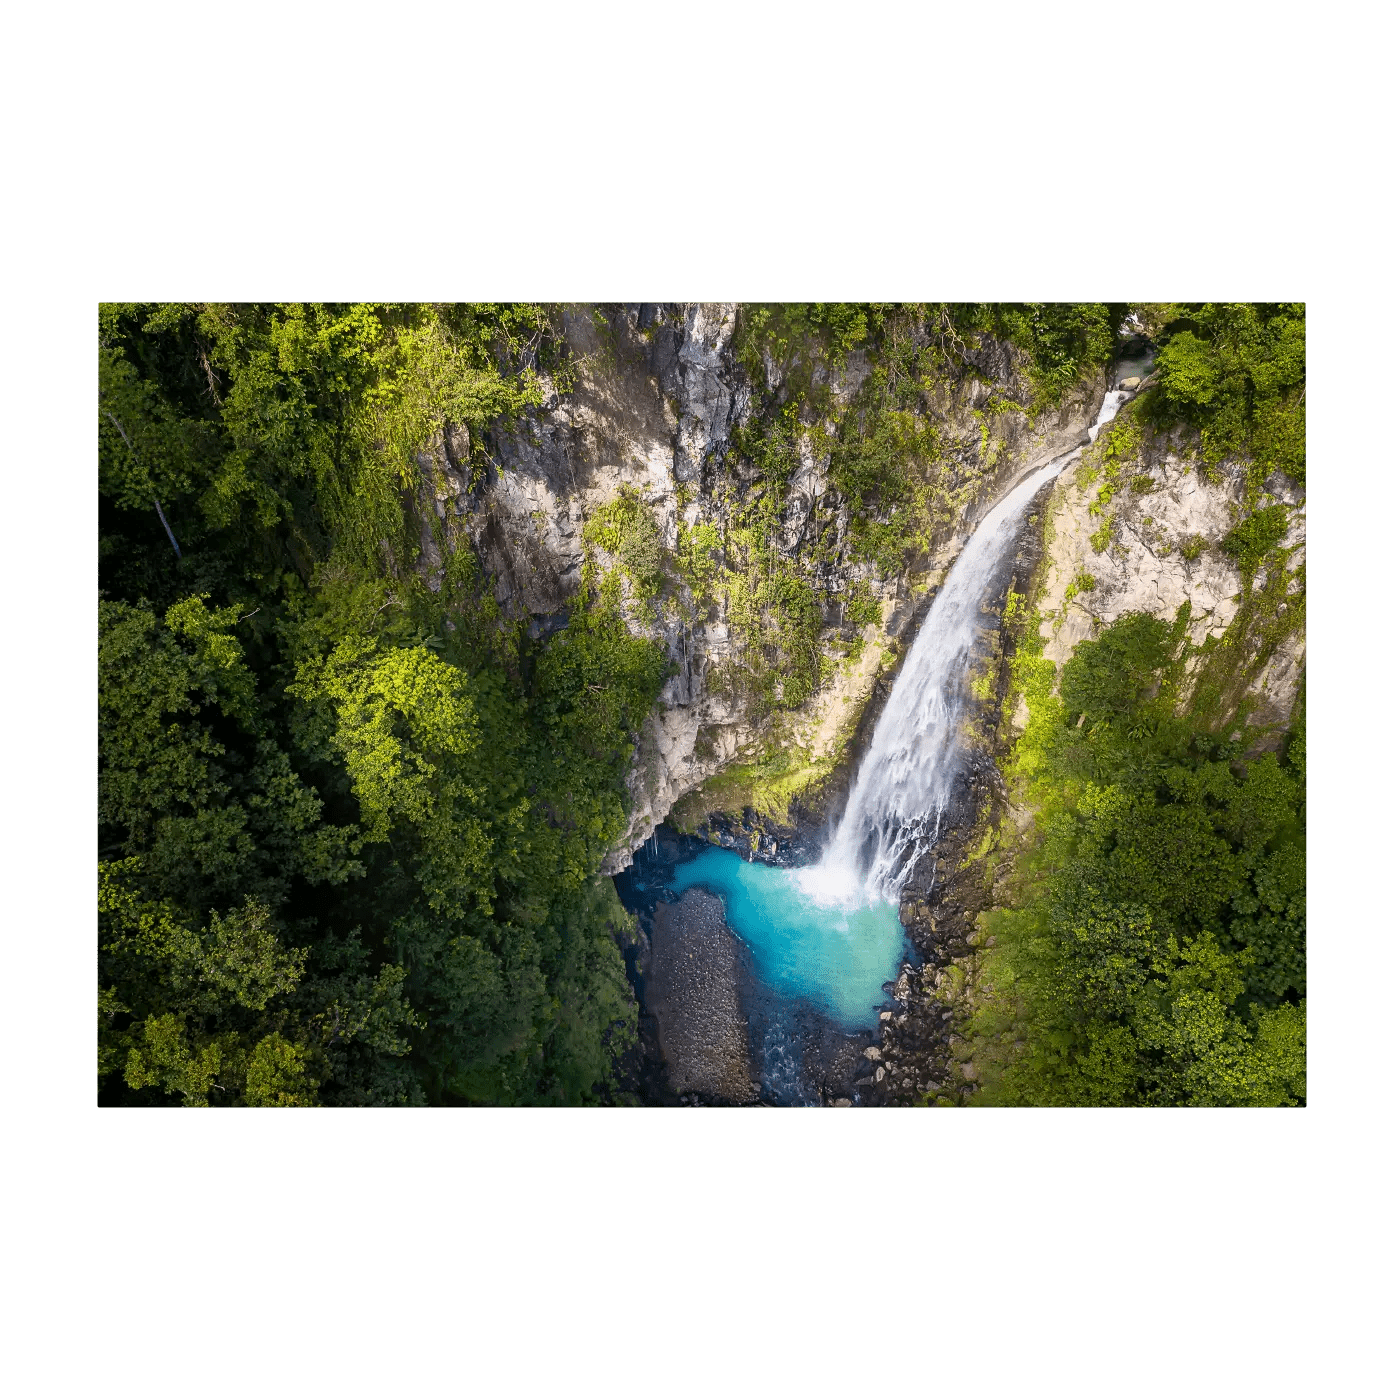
(752, 151)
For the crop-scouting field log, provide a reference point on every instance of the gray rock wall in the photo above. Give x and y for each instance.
(657, 396)
(1163, 550)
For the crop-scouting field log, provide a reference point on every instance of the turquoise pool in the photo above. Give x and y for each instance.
(836, 954)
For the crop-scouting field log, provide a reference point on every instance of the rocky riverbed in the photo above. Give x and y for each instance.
(693, 985)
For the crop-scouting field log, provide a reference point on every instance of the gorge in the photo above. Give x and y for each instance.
(905, 667)
(828, 933)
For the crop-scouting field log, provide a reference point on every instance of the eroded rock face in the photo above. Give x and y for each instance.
(655, 402)
(1163, 550)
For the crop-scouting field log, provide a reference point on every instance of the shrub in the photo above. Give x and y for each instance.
(1254, 537)
(1237, 372)
(1111, 675)
(626, 528)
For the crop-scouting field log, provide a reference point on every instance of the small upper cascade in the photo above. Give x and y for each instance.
(903, 786)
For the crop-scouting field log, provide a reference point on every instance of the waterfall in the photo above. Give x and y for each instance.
(904, 782)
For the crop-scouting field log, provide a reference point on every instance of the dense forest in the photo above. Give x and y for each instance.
(351, 818)
(349, 827)
(1156, 954)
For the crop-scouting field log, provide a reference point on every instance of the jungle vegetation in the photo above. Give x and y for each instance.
(1154, 948)
(350, 824)
(351, 820)
(1154, 952)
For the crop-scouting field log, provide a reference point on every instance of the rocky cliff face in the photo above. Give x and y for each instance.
(1158, 544)
(657, 394)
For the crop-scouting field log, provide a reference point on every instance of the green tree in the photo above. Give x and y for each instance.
(1235, 371)
(349, 820)
(1156, 955)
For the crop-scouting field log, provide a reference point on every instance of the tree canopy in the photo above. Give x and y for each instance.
(349, 822)
(1155, 951)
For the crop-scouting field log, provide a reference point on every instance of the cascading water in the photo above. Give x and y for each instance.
(828, 937)
(902, 789)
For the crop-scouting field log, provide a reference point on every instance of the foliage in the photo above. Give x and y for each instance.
(1255, 536)
(697, 551)
(1082, 582)
(769, 595)
(1235, 371)
(862, 606)
(349, 823)
(1155, 951)
(894, 467)
(1063, 339)
(802, 337)
(767, 784)
(627, 529)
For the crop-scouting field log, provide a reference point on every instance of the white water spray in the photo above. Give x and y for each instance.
(902, 789)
